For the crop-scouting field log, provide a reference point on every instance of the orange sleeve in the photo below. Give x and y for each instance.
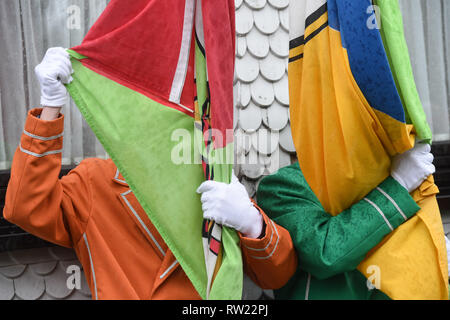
(271, 260)
(53, 209)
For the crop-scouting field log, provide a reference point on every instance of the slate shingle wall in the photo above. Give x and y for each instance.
(40, 274)
(262, 129)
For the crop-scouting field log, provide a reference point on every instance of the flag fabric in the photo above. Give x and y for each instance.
(139, 74)
(391, 29)
(348, 121)
(214, 146)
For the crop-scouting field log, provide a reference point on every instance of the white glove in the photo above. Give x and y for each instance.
(413, 167)
(230, 205)
(53, 72)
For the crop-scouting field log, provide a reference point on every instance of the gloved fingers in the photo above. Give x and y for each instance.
(254, 226)
(65, 78)
(209, 200)
(206, 206)
(430, 169)
(213, 215)
(63, 69)
(57, 54)
(66, 69)
(207, 197)
(429, 157)
(207, 186)
(56, 51)
(57, 71)
(422, 148)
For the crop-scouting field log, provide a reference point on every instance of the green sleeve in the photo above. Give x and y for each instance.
(328, 245)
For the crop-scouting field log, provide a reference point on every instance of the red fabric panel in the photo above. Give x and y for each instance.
(137, 42)
(219, 29)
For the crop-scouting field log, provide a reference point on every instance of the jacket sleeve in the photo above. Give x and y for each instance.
(271, 260)
(328, 245)
(53, 209)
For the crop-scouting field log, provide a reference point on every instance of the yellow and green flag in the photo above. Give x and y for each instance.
(348, 121)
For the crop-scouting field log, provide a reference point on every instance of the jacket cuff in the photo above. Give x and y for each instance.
(43, 128)
(40, 137)
(393, 202)
(265, 247)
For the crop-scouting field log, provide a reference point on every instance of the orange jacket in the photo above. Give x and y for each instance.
(93, 211)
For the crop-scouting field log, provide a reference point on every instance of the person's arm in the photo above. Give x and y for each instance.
(49, 114)
(270, 260)
(36, 199)
(269, 256)
(328, 245)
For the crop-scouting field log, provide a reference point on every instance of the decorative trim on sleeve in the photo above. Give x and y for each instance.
(42, 138)
(393, 202)
(274, 230)
(380, 212)
(39, 155)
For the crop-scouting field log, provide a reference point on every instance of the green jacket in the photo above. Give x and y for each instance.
(331, 248)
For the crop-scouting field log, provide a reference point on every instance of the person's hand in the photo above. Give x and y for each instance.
(53, 72)
(230, 205)
(413, 167)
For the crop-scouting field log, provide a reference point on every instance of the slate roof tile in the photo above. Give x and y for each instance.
(29, 286)
(44, 277)
(262, 92)
(279, 4)
(267, 19)
(276, 117)
(244, 20)
(286, 141)
(6, 288)
(55, 283)
(43, 268)
(262, 131)
(247, 68)
(250, 118)
(256, 4)
(257, 43)
(272, 68)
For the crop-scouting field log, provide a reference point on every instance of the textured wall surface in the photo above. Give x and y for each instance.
(262, 128)
(40, 274)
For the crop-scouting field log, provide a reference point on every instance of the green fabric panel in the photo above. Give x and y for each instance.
(124, 122)
(396, 48)
(201, 76)
(328, 246)
(229, 281)
(221, 161)
(345, 286)
(230, 277)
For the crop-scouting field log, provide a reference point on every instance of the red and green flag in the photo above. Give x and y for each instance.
(153, 77)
